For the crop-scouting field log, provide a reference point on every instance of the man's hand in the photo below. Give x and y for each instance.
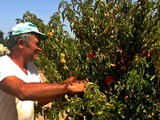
(77, 87)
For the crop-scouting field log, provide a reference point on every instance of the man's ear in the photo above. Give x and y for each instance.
(20, 43)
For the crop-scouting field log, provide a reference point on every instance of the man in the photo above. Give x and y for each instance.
(19, 80)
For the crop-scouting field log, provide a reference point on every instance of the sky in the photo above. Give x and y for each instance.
(12, 9)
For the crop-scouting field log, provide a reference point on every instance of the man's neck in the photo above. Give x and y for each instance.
(19, 61)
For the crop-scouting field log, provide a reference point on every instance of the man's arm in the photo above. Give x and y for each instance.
(68, 80)
(38, 91)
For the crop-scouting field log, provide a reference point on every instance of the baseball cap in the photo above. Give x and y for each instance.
(27, 27)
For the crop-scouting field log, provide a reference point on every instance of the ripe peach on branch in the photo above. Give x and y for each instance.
(109, 79)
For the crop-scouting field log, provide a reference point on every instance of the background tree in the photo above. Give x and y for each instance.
(117, 48)
(1, 36)
(3, 49)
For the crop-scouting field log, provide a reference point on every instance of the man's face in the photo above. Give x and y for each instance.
(32, 48)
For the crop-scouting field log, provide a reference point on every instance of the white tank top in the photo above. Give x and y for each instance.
(11, 108)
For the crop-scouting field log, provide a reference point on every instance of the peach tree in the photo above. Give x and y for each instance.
(116, 46)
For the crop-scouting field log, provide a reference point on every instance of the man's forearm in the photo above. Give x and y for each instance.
(39, 91)
(42, 91)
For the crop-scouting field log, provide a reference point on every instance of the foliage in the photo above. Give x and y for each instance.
(1, 36)
(118, 38)
(3, 50)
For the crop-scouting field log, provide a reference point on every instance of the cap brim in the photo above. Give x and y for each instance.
(42, 36)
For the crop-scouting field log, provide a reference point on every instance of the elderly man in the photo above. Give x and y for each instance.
(20, 84)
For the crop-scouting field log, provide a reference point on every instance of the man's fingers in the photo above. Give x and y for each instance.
(87, 79)
(70, 79)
